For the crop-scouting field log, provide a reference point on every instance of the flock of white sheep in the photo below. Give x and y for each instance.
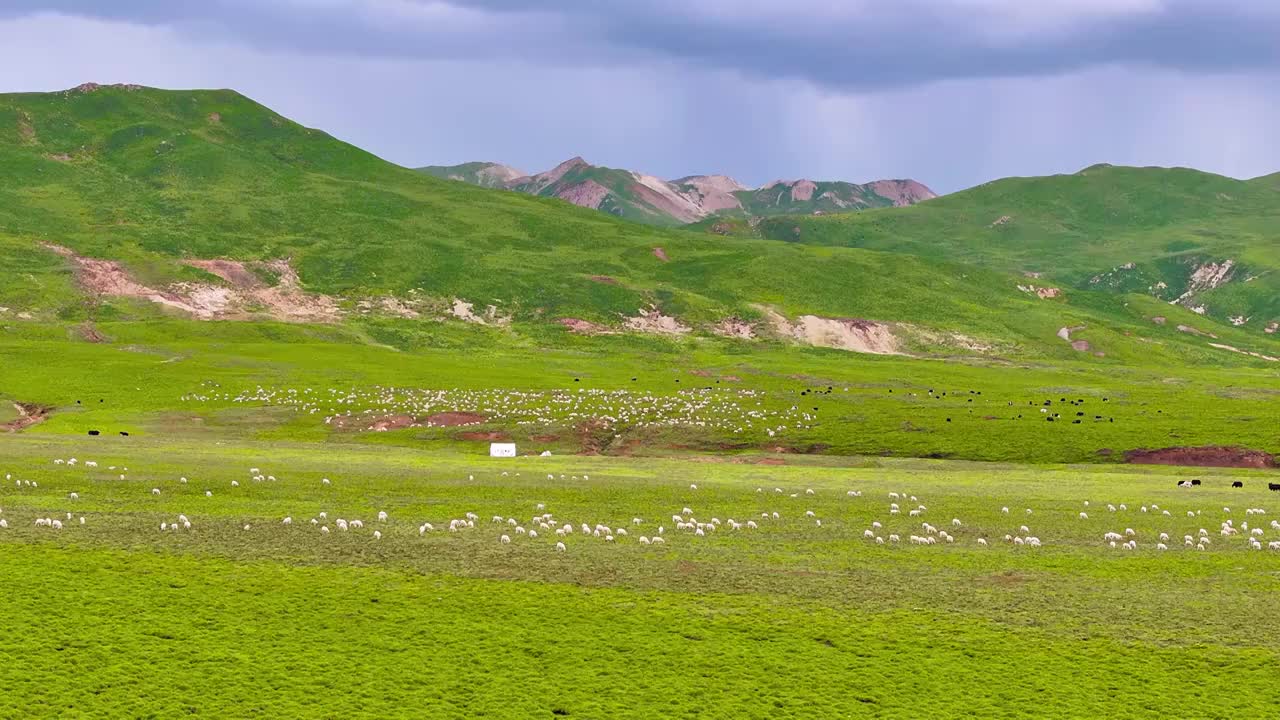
(903, 514)
(736, 411)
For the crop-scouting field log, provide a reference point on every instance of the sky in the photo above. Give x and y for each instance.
(952, 93)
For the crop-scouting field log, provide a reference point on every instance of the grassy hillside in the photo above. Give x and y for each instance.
(155, 180)
(484, 174)
(152, 178)
(1120, 229)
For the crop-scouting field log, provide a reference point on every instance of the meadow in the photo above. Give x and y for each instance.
(183, 379)
(241, 614)
(247, 517)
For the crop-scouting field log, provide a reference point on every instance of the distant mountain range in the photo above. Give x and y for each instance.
(645, 198)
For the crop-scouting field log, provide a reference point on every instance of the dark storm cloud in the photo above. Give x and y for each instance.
(851, 45)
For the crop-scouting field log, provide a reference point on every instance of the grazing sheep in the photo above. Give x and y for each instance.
(382, 516)
(377, 534)
(155, 491)
(982, 542)
(505, 540)
(287, 521)
(559, 546)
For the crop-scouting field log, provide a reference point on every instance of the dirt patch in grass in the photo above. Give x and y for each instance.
(1234, 349)
(26, 131)
(584, 327)
(853, 334)
(494, 436)
(594, 436)
(1206, 456)
(651, 320)
(453, 419)
(812, 449)
(89, 333)
(28, 414)
(605, 279)
(464, 310)
(1007, 578)
(660, 254)
(735, 328)
(285, 301)
(1195, 331)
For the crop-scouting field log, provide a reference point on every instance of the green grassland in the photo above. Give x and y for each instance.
(173, 378)
(242, 615)
(114, 617)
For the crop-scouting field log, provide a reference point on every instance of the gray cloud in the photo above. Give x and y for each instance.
(661, 112)
(855, 45)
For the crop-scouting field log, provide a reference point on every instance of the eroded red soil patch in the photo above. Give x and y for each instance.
(1208, 456)
(28, 414)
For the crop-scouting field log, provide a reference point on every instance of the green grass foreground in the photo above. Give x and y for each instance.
(790, 620)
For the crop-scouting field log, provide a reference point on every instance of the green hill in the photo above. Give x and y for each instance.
(1206, 241)
(120, 203)
(484, 174)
